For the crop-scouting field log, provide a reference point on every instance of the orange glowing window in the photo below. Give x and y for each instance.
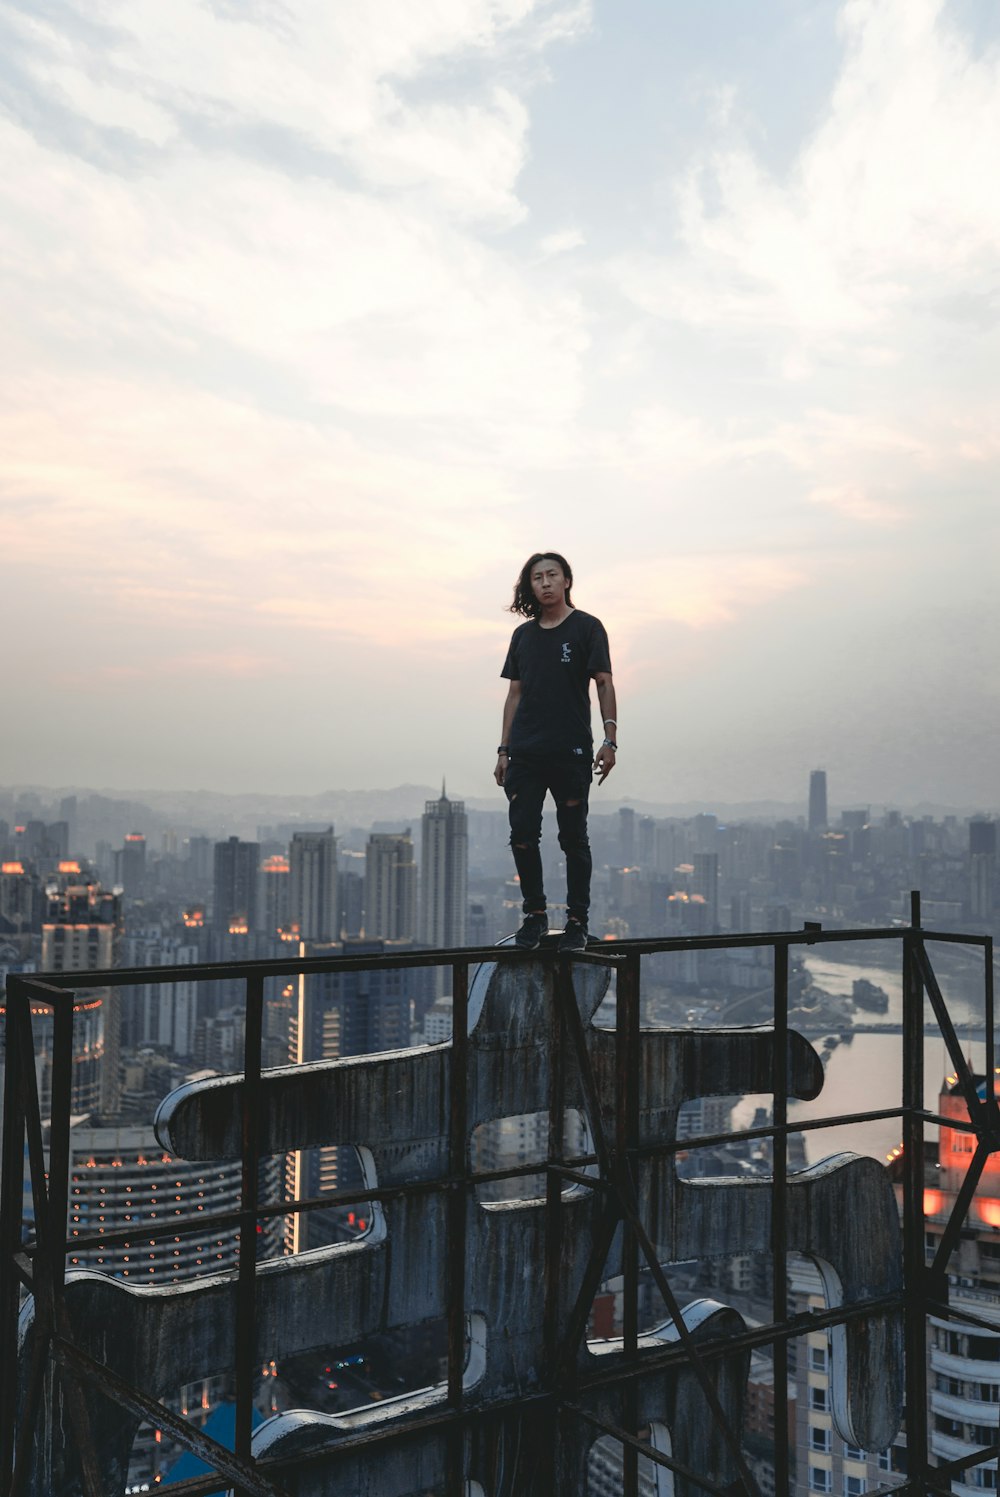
(11, 867)
(989, 1212)
(933, 1202)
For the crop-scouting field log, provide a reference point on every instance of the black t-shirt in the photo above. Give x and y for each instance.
(554, 667)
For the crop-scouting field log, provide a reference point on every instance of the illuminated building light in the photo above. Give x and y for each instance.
(933, 1202)
(989, 1211)
(69, 866)
(11, 867)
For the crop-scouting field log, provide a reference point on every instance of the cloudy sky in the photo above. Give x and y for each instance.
(319, 317)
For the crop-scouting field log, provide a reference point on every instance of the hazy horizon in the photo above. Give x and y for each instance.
(306, 353)
(368, 798)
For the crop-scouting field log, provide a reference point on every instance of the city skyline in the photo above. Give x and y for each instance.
(307, 353)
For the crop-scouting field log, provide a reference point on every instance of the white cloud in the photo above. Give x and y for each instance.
(856, 503)
(885, 205)
(332, 76)
(561, 242)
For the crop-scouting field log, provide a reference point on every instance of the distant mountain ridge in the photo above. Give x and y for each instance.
(217, 813)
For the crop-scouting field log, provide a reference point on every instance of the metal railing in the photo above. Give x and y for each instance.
(37, 1263)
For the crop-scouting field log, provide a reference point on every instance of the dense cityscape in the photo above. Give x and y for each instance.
(74, 897)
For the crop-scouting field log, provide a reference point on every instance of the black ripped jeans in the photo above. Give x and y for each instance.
(525, 784)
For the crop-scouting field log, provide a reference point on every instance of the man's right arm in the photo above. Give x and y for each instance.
(509, 708)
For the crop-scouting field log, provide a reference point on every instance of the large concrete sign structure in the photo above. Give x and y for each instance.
(527, 1394)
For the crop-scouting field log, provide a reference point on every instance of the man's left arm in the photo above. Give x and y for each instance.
(604, 761)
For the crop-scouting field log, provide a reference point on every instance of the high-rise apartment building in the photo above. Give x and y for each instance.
(81, 932)
(314, 906)
(390, 887)
(646, 843)
(21, 898)
(337, 1014)
(234, 883)
(817, 801)
(274, 895)
(131, 861)
(120, 1177)
(982, 868)
(626, 836)
(160, 1014)
(964, 1359)
(444, 872)
(705, 885)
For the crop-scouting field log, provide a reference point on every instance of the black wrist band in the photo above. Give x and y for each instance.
(503, 749)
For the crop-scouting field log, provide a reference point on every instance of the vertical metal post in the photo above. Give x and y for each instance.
(990, 1019)
(914, 1267)
(779, 1212)
(11, 1205)
(62, 1107)
(562, 993)
(557, 1372)
(457, 1213)
(626, 1145)
(246, 1286)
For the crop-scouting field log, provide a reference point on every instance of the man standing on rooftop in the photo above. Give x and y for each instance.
(546, 742)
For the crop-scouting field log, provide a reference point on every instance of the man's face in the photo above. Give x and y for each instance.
(548, 582)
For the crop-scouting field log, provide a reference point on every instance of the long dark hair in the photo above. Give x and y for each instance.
(524, 599)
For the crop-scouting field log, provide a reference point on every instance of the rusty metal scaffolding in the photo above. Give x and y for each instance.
(37, 1263)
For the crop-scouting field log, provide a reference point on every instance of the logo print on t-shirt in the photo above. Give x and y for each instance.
(565, 653)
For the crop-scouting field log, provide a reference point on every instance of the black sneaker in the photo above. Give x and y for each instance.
(531, 932)
(574, 937)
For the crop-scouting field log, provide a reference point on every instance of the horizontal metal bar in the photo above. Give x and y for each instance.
(355, 1196)
(960, 1315)
(963, 1462)
(580, 1177)
(956, 938)
(447, 956)
(673, 1354)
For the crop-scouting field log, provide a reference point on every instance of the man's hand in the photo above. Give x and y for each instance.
(500, 773)
(604, 763)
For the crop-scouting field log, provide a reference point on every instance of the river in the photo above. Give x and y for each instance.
(866, 1073)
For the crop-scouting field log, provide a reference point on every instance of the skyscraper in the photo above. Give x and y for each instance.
(313, 905)
(817, 801)
(626, 836)
(274, 895)
(235, 884)
(390, 887)
(444, 876)
(132, 865)
(81, 932)
(340, 1013)
(982, 867)
(705, 883)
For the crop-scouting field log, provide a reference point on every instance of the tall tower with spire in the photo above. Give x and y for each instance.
(444, 872)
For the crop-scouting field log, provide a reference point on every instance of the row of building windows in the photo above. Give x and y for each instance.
(821, 1480)
(978, 1392)
(821, 1440)
(960, 1344)
(972, 1434)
